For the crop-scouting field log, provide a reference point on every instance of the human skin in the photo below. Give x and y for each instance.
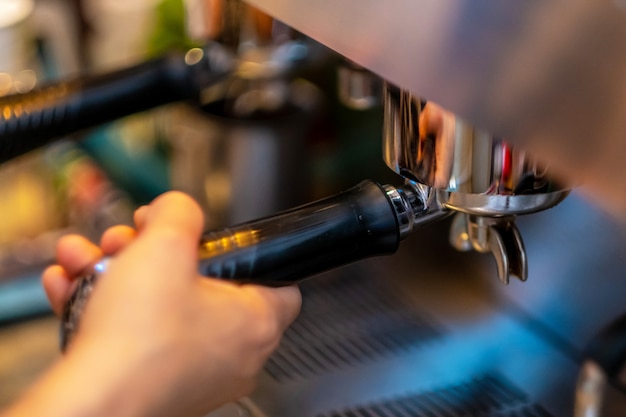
(156, 338)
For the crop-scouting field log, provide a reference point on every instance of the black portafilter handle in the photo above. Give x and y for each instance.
(364, 221)
(287, 247)
(31, 120)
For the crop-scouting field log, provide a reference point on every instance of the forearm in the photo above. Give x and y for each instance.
(78, 385)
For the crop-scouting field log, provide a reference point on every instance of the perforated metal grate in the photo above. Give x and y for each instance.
(345, 322)
(489, 396)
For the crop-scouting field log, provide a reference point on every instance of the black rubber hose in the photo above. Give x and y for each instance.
(31, 120)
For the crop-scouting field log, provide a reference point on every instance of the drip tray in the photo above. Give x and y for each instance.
(430, 332)
(486, 396)
(345, 324)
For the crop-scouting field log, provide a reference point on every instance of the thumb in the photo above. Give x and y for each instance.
(167, 244)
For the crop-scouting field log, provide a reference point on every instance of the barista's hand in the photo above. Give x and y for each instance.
(156, 338)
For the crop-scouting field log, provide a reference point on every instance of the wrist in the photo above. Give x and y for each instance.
(79, 385)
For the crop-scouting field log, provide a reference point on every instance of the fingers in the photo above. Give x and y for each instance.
(285, 302)
(173, 224)
(172, 211)
(288, 302)
(115, 238)
(77, 255)
(171, 219)
(168, 229)
(58, 287)
(139, 217)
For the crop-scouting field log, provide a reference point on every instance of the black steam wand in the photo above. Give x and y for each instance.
(31, 120)
(364, 221)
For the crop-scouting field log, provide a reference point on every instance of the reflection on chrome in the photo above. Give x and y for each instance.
(430, 145)
(487, 180)
(497, 235)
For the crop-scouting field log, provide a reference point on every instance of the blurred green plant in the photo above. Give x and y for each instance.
(169, 32)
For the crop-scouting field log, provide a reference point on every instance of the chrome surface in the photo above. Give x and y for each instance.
(597, 395)
(498, 236)
(414, 205)
(483, 174)
(402, 208)
(590, 390)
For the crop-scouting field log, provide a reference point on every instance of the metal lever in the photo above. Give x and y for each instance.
(497, 235)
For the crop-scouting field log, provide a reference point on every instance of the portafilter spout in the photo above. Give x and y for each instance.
(482, 177)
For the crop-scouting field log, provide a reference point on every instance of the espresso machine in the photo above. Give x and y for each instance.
(530, 73)
(477, 107)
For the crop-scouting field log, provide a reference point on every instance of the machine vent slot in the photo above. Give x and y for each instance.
(489, 396)
(347, 321)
